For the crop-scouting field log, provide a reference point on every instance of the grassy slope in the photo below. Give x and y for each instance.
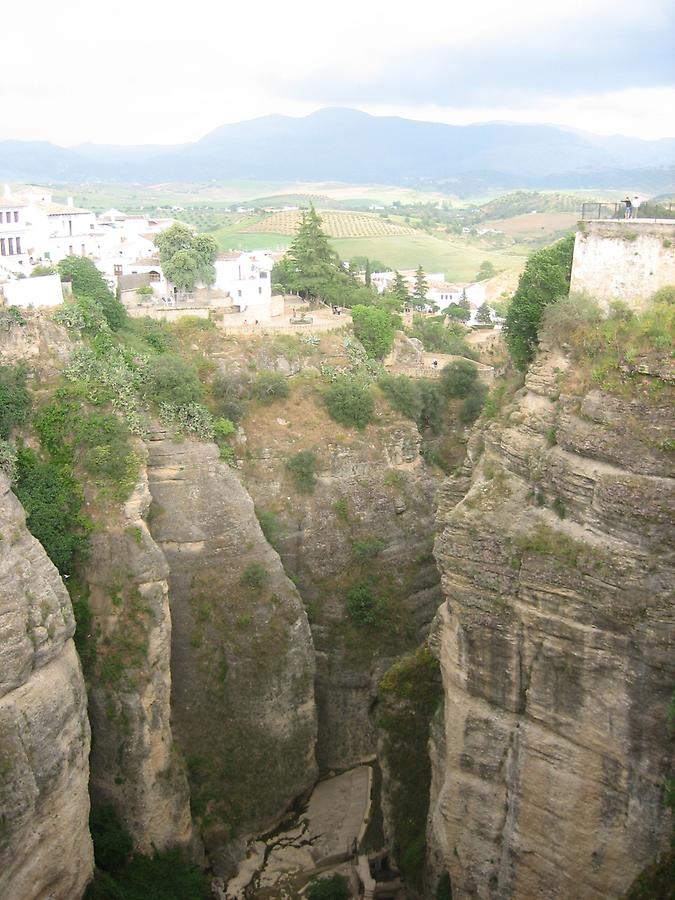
(459, 260)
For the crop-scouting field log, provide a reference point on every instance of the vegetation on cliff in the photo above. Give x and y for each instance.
(409, 695)
(546, 278)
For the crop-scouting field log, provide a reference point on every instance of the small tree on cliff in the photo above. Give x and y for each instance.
(545, 279)
(421, 288)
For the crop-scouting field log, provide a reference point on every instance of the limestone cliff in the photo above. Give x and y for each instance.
(369, 519)
(242, 655)
(134, 764)
(555, 643)
(45, 848)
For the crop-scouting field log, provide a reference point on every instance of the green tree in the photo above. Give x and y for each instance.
(334, 887)
(375, 328)
(313, 267)
(421, 288)
(464, 303)
(171, 380)
(459, 378)
(366, 273)
(88, 286)
(486, 270)
(455, 311)
(187, 258)
(15, 400)
(350, 401)
(400, 289)
(484, 314)
(546, 278)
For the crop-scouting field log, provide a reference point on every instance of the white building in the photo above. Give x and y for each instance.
(13, 236)
(246, 277)
(56, 230)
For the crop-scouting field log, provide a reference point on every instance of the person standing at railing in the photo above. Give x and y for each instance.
(635, 206)
(629, 208)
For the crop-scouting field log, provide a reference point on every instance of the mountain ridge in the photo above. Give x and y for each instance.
(349, 145)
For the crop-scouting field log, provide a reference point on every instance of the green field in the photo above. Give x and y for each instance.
(229, 239)
(458, 259)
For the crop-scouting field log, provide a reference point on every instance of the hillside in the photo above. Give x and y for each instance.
(348, 145)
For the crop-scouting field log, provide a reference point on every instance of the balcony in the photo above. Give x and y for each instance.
(651, 212)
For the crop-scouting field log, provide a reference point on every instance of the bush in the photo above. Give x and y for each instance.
(302, 467)
(8, 460)
(272, 528)
(472, 405)
(171, 380)
(112, 843)
(334, 888)
(546, 278)
(88, 282)
(349, 401)
(155, 334)
(459, 378)
(375, 328)
(403, 393)
(15, 400)
(368, 548)
(53, 502)
(270, 386)
(10, 315)
(562, 318)
(255, 575)
(229, 396)
(432, 405)
(363, 606)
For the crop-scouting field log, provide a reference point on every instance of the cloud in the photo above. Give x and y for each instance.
(572, 58)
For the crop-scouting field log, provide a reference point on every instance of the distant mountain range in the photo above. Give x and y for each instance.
(351, 146)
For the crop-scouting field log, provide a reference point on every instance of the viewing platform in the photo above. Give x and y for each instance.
(616, 212)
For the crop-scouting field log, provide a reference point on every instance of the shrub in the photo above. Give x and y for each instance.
(15, 400)
(431, 398)
(368, 548)
(403, 393)
(546, 278)
(665, 294)
(171, 380)
(561, 319)
(229, 396)
(375, 328)
(272, 528)
(255, 575)
(191, 418)
(8, 460)
(334, 888)
(155, 334)
(270, 386)
(112, 843)
(459, 378)
(302, 467)
(472, 405)
(88, 282)
(363, 606)
(349, 401)
(10, 315)
(53, 502)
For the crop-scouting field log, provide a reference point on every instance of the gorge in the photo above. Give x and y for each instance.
(245, 630)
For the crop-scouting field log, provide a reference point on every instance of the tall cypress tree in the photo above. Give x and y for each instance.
(400, 289)
(313, 265)
(421, 288)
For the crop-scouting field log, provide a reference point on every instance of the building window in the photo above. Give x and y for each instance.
(117, 270)
(238, 293)
(3, 249)
(260, 290)
(18, 245)
(263, 274)
(70, 226)
(1, 216)
(154, 276)
(16, 215)
(10, 245)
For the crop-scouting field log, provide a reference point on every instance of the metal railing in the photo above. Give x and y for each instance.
(618, 211)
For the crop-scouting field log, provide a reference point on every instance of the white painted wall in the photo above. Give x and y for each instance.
(45, 290)
(247, 279)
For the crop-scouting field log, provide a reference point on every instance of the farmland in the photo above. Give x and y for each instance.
(335, 224)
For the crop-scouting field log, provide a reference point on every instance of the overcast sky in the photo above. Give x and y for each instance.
(145, 71)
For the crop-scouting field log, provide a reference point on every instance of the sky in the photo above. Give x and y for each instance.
(145, 71)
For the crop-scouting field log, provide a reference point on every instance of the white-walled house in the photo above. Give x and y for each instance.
(57, 230)
(13, 236)
(247, 278)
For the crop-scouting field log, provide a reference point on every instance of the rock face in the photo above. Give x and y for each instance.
(134, 764)
(242, 655)
(45, 847)
(369, 519)
(555, 646)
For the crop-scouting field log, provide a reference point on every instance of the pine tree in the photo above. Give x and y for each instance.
(400, 289)
(421, 288)
(367, 273)
(484, 314)
(464, 301)
(313, 266)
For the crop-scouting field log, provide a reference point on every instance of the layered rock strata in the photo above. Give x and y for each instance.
(45, 847)
(555, 643)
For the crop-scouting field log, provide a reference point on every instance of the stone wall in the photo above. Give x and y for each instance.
(624, 260)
